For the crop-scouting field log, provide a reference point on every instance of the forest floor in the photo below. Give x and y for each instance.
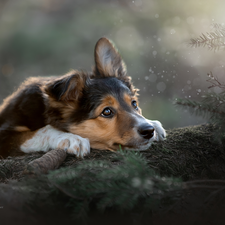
(191, 154)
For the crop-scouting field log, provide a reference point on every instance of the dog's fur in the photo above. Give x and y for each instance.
(78, 110)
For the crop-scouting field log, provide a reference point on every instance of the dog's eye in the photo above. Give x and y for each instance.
(134, 104)
(107, 112)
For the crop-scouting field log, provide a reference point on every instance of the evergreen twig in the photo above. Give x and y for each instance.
(214, 40)
(212, 106)
(215, 81)
(123, 186)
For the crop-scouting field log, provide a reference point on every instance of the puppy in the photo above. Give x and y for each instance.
(77, 111)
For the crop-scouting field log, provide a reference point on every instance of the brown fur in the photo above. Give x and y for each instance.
(21, 128)
(111, 133)
(74, 103)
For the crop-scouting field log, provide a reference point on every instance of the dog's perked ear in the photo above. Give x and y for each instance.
(68, 87)
(108, 61)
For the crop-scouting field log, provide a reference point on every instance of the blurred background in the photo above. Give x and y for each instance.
(50, 37)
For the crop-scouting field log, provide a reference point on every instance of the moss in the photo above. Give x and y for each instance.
(188, 153)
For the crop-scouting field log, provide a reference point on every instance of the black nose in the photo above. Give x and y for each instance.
(146, 131)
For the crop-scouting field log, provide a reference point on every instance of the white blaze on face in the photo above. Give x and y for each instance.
(159, 133)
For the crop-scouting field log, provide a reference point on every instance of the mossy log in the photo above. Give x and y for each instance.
(188, 153)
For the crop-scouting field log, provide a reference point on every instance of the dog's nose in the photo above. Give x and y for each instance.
(146, 131)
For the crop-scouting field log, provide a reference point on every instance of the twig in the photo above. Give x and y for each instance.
(49, 161)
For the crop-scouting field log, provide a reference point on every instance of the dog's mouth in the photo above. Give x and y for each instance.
(134, 146)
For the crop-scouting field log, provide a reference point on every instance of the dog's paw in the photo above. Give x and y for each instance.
(74, 144)
(160, 133)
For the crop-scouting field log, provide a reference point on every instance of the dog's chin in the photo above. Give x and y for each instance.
(138, 147)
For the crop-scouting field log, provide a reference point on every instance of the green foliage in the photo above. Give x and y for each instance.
(212, 104)
(125, 184)
(113, 183)
(212, 107)
(121, 185)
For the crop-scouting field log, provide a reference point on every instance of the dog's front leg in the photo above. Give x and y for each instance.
(48, 138)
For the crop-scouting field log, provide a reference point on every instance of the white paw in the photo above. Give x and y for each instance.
(74, 144)
(160, 133)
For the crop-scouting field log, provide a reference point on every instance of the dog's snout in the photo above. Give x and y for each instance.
(146, 131)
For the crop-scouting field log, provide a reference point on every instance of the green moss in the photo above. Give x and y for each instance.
(188, 153)
(124, 182)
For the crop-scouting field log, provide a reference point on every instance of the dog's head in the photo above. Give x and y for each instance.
(101, 106)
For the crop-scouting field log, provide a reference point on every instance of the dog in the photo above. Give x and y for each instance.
(78, 110)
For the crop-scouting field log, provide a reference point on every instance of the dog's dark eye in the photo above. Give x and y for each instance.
(107, 112)
(134, 104)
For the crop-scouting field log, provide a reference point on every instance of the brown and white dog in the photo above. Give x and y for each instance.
(77, 111)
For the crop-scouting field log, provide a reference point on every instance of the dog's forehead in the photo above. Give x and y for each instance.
(117, 94)
(100, 88)
(106, 91)
(111, 85)
(100, 93)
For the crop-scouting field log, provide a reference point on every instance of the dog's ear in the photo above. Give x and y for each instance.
(108, 61)
(68, 87)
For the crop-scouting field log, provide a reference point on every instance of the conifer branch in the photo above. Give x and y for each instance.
(212, 105)
(122, 186)
(215, 81)
(203, 108)
(214, 40)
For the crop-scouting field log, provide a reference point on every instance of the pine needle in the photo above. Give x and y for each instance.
(214, 40)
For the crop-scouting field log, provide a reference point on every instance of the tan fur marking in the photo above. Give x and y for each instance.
(102, 132)
(21, 128)
(128, 99)
(106, 102)
(54, 103)
(97, 127)
(26, 136)
(64, 144)
(68, 109)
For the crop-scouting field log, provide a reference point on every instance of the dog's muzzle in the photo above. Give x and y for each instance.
(146, 131)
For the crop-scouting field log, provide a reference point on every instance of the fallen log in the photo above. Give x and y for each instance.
(189, 153)
(49, 161)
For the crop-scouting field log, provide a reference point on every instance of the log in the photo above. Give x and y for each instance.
(189, 153)
(49, 161)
